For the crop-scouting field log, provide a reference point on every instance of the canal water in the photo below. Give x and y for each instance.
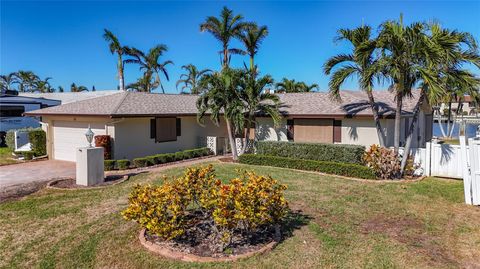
(470, 129)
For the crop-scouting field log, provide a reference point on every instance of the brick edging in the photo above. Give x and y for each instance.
(188, 257)
(52, 182)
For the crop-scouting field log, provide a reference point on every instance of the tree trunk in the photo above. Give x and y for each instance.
(247, 134)
(378, 126)
(398, 117)
(225, 57)
(120, 74)
(411, 130)
(448, 118)
(231, 138)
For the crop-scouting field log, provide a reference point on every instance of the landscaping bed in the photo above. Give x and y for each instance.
(70, 183)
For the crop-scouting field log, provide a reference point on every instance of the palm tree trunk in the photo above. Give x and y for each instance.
(378, 126)
(225, 57)
(448, 118)
(398, 115)
(251, 64)
(231, 138)
(247, 134)
(121, 80)
(411, 130)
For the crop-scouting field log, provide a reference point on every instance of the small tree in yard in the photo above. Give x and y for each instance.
(221, 94)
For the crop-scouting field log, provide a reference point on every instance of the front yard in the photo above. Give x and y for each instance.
(344, 223)
(6, 156)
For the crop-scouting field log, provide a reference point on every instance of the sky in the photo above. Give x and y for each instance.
(63, 39)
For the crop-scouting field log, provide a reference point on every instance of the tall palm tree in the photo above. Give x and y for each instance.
(360, 63)
(43, 85)
(26, 80)
(252, 38)
(258, 101)
(292, 86)
(221, 94)
(307, 88)
(225, 28)
(191, 79)
(149, 63)
(439, 67)
(402, 47)
(116, 47)
(7, 81)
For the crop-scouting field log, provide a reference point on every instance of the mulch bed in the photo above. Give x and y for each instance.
(70, 183)
(16, 192)
(198, 238)
(226, 160)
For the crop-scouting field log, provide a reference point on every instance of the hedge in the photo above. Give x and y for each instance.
(108, 165)
(342, 169)
(10, 139)
(38, 140)
(312, 151)
(123, 164)
(170, 157)
(27, 155)
(140, 162)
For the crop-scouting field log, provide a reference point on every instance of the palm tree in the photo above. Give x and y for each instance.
(359, 63)
(224, 28)
(402, 47)
(307, 88)
(60, 89)
(221, 94)
(26, 80)
(7, 81)
(116, 47)
(75, 88)
(43, 85)
(259, 101)
(149, 63)
(191, 79)
(143, 84)
(252, 37)
(439, 67)
(292, 86)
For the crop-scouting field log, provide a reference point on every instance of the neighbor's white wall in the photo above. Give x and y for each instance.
(132, 137)
(266, 131)
(363, 132)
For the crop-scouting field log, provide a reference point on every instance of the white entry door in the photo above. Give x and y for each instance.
(70, 135)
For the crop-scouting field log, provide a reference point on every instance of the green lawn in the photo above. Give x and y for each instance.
(6, 156)
(344, 224)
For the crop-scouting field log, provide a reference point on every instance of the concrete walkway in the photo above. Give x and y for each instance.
(38, 171)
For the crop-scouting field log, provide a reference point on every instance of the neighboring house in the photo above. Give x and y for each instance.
(469, 107)
(142, 124)
(68, 97)
(12, 108)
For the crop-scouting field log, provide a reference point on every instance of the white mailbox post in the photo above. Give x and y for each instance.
(90, 166)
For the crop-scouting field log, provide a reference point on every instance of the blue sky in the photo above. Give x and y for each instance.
(63, 39)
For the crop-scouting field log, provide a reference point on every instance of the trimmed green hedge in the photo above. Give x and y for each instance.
(38, 140)
(108, 165)
(171, 157)
(123, 164)
(312, 151)
(342, 169)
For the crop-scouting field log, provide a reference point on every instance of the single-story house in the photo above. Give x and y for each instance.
(142, 124)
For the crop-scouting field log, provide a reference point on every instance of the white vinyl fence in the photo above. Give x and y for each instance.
(471, 170)
(441, 160)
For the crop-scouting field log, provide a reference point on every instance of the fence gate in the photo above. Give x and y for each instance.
(471, 170)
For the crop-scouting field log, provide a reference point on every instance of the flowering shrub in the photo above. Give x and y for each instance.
(245, 205)
(384, 162)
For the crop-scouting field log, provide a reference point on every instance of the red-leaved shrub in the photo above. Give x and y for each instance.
(105, 142)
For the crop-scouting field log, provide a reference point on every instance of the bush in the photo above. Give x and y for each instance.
(189, 154)
(151, 160)
(38, 140)
(170, 157)
(10, 139)
(105, 142)
(123, 164)
(161, 158)
(140, 162)
(383, 161)
(311, 151)
(342, 169)
(27, 155)
(179, 156)
(248, 204)
(108, 165)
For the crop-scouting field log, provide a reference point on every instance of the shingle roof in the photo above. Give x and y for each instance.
(135, 104)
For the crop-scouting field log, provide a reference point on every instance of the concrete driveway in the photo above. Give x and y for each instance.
(22, 173)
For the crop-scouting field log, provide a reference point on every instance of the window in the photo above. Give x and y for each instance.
(337, 131)
(165, 129)
(290, 130)
(11, 111)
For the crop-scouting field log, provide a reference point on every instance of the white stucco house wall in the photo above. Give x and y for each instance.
(142, 124)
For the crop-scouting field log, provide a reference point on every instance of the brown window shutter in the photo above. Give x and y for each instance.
(179, 127)
(153, 128)
(166, 129)
(337, 131)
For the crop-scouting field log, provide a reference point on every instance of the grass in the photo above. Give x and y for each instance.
(345, 224)
(6, 156)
